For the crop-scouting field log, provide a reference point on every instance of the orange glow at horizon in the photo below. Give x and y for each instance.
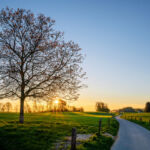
(114, 102)
(88, 101)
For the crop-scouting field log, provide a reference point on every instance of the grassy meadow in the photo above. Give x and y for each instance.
(42, 130)
(142, 119)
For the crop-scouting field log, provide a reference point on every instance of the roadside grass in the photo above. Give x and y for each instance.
(41, 130)
(97, 143)
(142, 119)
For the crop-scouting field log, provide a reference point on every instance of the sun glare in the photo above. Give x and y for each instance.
(56, 101)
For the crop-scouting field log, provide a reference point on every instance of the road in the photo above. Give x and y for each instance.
(131, 137)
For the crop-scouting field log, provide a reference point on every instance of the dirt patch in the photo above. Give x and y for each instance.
(81, 137)
(63, 145)
(109, 135)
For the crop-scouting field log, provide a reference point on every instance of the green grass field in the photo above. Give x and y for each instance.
(41, 130)
(142, 119)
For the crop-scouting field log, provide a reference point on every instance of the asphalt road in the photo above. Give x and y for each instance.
(131, 137)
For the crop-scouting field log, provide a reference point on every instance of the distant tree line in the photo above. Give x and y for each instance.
(6, 107)
(131, 109)
(40, 107)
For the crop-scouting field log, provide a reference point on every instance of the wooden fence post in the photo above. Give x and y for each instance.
(141, 119)
(99, 127)
(73, 139)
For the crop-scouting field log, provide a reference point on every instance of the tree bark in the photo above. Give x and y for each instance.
(21, 117)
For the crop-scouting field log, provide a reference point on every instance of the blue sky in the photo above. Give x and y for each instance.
(114, 35)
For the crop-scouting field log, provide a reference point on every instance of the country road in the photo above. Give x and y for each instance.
(131, 137)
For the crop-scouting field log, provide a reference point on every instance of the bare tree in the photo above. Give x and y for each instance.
(36, 62)
(27, 107)
(3, 109)
(147, 107)
(16, 108)
(8, 106)
(35, 107)
(49, 105)
(1, 105)
(61, 105)
(41, 107)
(100, 106)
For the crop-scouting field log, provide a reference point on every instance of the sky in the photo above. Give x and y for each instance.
(115, 37)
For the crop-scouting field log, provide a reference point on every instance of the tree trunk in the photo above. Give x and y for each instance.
(21, 118)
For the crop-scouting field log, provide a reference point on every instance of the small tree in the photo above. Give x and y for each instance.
(8, 106)
(100, 106)
(49, 105)
(1, 105)
(36, 62)
(3, 109)
(147, 107)
(27, 108)
(61, 105)
(16, 108)
(35, 107)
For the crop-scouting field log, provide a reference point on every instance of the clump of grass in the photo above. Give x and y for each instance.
(96, 143)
